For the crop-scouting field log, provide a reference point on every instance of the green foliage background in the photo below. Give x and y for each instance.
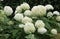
(14, 3)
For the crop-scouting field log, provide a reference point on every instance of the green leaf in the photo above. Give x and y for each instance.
(30, 36)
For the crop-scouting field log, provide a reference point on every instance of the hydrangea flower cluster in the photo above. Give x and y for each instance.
(33, 20)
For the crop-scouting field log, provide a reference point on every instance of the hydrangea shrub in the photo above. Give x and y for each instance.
(25, 22)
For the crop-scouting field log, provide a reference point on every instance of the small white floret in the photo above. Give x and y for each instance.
(26, 19)
(49, 7)
(39, 24)
(58, 18)
(49, 14)
(27, 13)
(56, 13)
(29, 28)
(42, 30)
(18, 17)
(21, 25)
(54, 31)
(18, 9)
(25, 6)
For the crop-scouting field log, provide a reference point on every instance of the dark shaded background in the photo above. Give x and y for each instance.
(14, 3)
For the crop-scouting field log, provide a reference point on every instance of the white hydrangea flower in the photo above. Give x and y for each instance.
(26, 19)
(42, 30)
(27, 13)
(39, 24)
(54, 31)
(29, 28)
(8, 10)
(38, 10)
(21, 25)
(25, 6)
(58, 18)
(49, 7)
(18, 9)
(49, 14)
(18, 17)
(56, 13)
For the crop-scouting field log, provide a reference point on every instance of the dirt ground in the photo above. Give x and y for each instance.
(56, 37)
